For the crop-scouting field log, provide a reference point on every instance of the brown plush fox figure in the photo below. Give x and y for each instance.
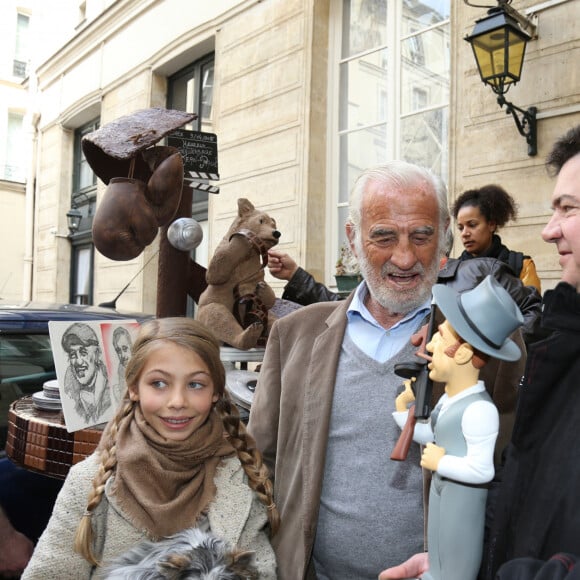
(236, 303)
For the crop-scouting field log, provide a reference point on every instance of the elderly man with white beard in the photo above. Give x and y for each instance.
(322, 410)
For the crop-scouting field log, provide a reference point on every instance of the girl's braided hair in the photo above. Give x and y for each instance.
(189, 334)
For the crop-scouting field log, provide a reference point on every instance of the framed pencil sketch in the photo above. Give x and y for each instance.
(85, 380)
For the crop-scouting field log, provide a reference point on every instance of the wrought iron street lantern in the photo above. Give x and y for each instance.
(499, 45)
(73, 219)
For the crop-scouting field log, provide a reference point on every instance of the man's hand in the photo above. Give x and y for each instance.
(15, 549)
(412, 568)
(281, 265)
(432, 454)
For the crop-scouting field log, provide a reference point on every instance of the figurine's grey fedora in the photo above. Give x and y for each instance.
(484, 317)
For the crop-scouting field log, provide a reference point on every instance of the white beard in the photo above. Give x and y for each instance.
(398, 301)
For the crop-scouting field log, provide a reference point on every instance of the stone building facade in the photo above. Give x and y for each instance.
(14, 149)
(302, 94)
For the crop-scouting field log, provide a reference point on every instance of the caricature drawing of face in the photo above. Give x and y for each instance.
(123, 348)
(83, 362)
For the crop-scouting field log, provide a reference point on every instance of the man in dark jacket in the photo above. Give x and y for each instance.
(538, 508)
(536, 527)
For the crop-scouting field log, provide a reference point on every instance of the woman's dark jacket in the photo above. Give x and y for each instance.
(500, 252)
(523, 266)
(459, 275)
(537, 510)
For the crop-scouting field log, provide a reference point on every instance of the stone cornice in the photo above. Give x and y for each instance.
(90, 38)
(107, 25)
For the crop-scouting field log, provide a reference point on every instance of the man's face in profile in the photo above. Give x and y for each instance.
(123, 350)
(83, 361)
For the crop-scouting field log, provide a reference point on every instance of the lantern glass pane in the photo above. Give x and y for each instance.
(488, 61)
(499, 55)
(517, 49)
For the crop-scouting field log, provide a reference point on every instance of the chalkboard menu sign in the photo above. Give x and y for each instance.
(199, 152)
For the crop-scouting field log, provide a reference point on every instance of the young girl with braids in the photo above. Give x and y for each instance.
(175, 456)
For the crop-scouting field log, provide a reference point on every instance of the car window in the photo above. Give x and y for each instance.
(24, 355)
(25, 364)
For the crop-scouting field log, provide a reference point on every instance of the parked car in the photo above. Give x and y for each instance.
(25, 354)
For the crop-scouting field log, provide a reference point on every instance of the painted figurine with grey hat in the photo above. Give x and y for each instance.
(460, 435)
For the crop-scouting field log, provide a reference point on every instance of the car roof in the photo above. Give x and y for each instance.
(28, 316)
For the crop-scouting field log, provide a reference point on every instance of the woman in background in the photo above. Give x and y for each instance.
(479, 213)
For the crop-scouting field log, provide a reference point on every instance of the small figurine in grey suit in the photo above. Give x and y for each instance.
(460, 436)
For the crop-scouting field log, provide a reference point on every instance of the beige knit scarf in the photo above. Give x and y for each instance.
(163, 486)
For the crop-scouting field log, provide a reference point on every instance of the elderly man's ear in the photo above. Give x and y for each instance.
(464, 354)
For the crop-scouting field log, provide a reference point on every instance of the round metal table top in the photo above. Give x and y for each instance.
(231, 354)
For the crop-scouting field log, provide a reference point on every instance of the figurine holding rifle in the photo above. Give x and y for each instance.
(464, 423)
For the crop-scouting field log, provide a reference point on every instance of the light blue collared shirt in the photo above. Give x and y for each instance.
(371, 337)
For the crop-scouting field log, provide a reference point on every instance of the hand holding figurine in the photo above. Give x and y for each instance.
(414, 567)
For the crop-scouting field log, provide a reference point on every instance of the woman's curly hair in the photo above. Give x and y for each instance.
(494, 202)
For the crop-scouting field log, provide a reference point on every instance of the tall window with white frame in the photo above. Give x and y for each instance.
(390, 80)
(424, 84)
(15, 157)
(21, 48)
(191, 90)
(84, 195)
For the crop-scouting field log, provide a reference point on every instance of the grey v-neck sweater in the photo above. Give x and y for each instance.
(367, 499)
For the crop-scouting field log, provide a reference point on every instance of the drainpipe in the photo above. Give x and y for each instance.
(31, 121)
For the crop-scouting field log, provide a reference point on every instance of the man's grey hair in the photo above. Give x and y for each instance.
(400, 175)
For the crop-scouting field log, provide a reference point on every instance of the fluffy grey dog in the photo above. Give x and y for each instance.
(188, 555)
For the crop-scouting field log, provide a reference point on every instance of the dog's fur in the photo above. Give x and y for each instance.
(235, 278)
(187, 555)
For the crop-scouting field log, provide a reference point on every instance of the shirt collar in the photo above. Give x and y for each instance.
(357, 308)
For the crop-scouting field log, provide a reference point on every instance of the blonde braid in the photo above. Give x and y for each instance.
(250, 458)
(107, 451)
